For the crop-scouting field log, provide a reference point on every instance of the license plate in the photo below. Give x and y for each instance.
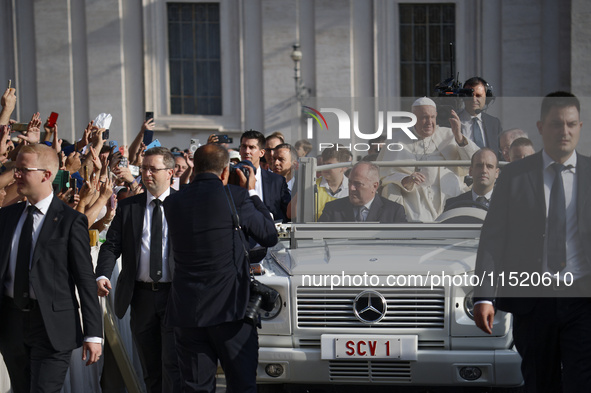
(369, 346)
(378, 348)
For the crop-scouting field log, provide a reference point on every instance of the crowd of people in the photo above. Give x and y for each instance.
(172, 218)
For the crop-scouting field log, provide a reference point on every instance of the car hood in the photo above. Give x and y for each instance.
(381, 257)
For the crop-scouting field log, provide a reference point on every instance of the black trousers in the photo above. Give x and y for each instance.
(554, 341)
(154, 341)
(236, 346)
(32, 363)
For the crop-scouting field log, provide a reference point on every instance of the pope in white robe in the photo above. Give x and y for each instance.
(423, 190)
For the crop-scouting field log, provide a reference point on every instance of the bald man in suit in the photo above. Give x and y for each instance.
(363, 204)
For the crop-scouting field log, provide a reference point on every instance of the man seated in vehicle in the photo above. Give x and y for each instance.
(424, 190)
(521, 148)
(284, 162)
(484, 171)
(363, 204)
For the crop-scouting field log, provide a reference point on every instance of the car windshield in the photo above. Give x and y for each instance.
(373, 192)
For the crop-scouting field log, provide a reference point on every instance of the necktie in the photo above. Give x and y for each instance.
(156, 242)
(482, 200)
(556, 252)
(362, 213)
(23, 259)
(477, 133)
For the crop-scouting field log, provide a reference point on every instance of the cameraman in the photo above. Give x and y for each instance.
(210, 289)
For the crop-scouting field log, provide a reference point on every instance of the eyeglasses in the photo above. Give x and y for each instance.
(20, 171)
(153, 170)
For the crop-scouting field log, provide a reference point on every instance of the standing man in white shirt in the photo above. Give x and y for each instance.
(539, 223)
(139, 234)
(270, 187)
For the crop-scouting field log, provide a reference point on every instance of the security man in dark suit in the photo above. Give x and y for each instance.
(484, 171)
(363, 204)
(539, 223)
(210, 288)
(45, 257)
(478, 126)
(139, 234)
(270, 187)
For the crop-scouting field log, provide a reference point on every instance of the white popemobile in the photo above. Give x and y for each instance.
(378, 304)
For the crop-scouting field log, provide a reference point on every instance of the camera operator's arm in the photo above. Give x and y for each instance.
(8, 103)
(249, 184)
(256, 219)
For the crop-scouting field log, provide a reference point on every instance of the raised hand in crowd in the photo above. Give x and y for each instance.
(137, 158)
(72, 163)
(96, 138)
(71, 197)
(85, 140)
(87, 193)
(96, 161)
(187, 175)
(56, 143)
(33, 132)
(8, 103)
(137, 145)
(49, 131)
(102, 197)
(105, 221)
(213, 138)
(31, 135)
(5, 143)
(123, 174)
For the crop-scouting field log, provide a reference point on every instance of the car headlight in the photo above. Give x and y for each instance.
(268, 315)
(469, 304)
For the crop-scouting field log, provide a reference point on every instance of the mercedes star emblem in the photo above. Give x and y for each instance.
(370, 307)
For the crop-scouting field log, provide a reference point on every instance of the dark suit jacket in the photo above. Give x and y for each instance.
(512, 237)
(61, 263)
(382, 210)
(124, 239)
(467, 196)
(275, 194)
(492, 130)
(211, 278)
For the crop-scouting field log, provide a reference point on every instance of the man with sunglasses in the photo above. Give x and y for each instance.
(46, 258)
(139, 234)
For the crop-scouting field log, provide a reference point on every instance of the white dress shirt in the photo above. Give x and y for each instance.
(38, 219)
(468, 125)
(143, 271)
(574, 250)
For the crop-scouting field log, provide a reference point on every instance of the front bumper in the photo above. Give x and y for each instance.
(499, 368)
